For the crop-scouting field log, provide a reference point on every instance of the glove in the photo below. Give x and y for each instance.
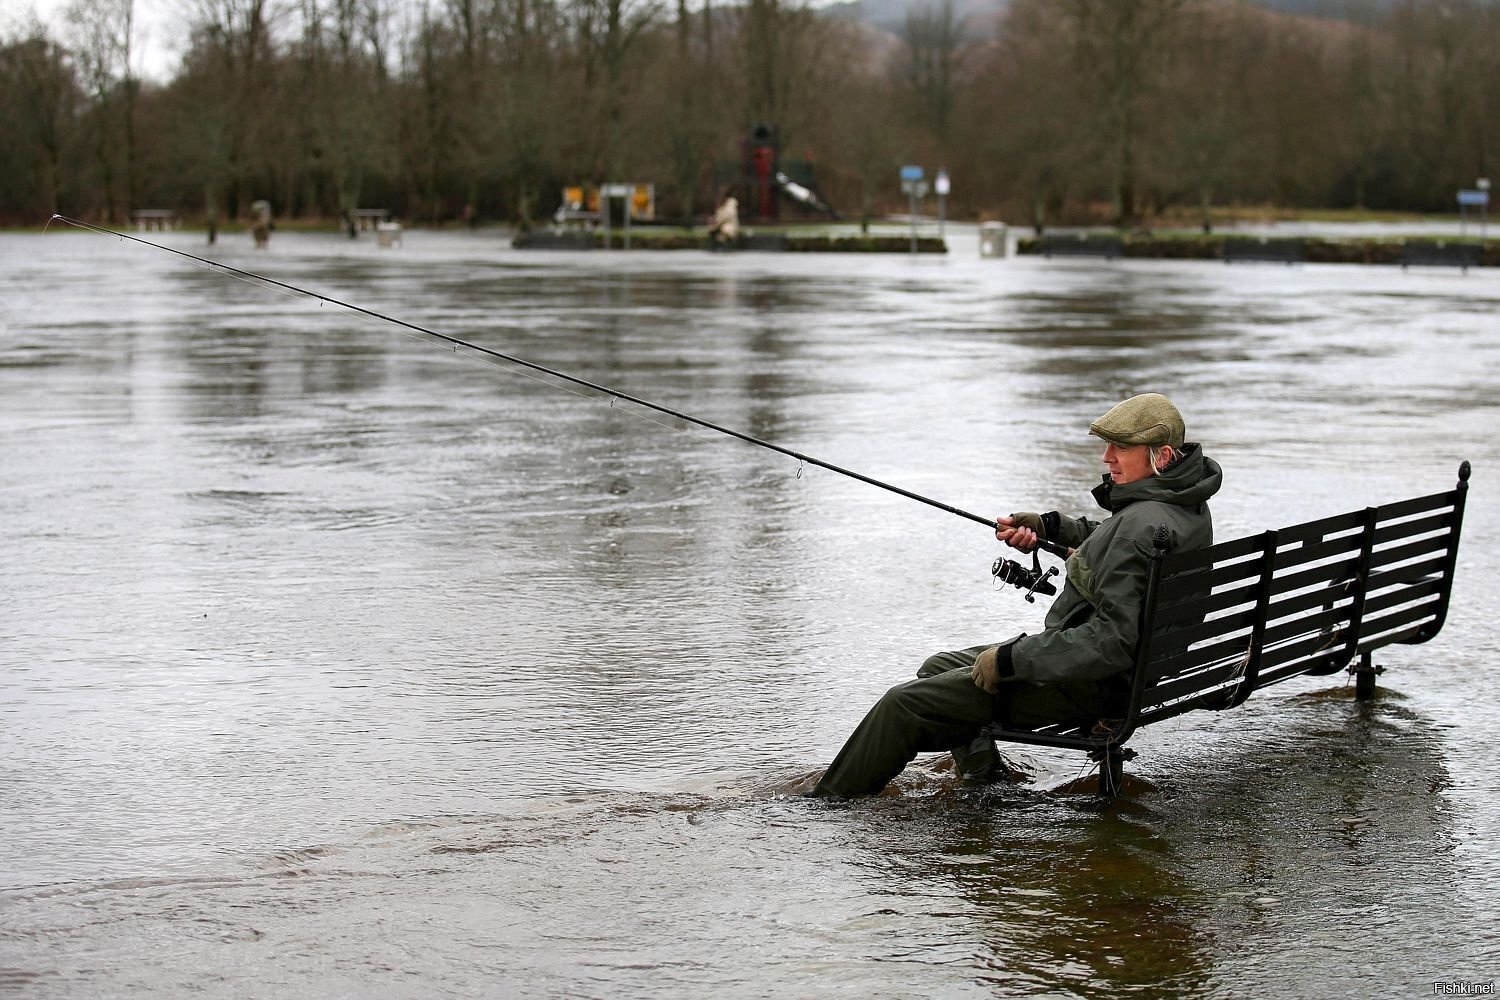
(1028, 519)
(992, 666)
(1006, 528)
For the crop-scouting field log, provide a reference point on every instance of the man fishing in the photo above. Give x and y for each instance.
(1077, 669)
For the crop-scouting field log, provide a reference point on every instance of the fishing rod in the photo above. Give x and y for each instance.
(613, 394)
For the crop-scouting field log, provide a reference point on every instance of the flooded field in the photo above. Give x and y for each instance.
(337, 663)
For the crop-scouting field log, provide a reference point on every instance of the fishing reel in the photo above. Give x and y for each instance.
(1034, 580)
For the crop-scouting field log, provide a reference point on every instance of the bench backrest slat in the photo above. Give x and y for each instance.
(1223, 676)
(1323, 527)
(1400, 557)
(1194, 560)
(1397, 619)
(1388, 531)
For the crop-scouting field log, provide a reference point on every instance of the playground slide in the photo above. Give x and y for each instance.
(801, 194)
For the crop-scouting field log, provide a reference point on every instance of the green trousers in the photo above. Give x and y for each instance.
(943, 709)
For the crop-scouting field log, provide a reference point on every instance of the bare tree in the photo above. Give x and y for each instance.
(36, 79)
(933, 36)
(608, 31)
(864, 142)
(345, 101)
(1033, 127)
(101, 37)
(1116, 46)
(227, 90)
(531, 100)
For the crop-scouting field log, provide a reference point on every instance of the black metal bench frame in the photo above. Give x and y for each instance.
(1219, 623)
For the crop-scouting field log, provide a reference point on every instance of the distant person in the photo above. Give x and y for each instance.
(1077, 669)
(261, 227)
(725, 226)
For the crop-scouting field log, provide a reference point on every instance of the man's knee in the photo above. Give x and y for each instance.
(897, 698)
(934, 664)
(941, 663)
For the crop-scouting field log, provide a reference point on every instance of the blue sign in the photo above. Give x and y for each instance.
(911, 173)
(1474, 198)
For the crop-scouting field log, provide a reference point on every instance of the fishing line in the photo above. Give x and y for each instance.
(562, 380)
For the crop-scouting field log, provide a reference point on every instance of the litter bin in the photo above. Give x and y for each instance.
(992, 239)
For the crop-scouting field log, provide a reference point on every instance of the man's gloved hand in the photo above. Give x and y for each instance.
(1030, 519)
(1021, 530)
(991, 665)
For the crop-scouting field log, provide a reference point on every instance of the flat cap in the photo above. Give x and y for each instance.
(1149, 418)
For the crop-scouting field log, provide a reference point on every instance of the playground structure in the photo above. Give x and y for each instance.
(759, 181)
(764, 176)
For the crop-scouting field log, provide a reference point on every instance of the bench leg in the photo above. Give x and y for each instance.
(1111, 761)
(1364, 677)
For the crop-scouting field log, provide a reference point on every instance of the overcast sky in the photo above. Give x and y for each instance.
(157, 37)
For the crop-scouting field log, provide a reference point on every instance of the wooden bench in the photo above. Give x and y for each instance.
(1221, 622)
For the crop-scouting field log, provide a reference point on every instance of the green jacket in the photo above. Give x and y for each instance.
(1092, 627)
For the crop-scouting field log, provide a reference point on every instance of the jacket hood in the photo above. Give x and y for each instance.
(1190, 480)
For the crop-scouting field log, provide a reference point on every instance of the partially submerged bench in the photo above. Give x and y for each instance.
(1081, 245)
(1262, 249)
(1440, 253)
(1221, 622)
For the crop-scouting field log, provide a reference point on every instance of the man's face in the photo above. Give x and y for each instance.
(1127, 463)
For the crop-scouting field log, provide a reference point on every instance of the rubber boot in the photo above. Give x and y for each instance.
(978, 761)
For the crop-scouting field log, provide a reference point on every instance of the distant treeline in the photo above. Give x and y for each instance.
(1062, 111)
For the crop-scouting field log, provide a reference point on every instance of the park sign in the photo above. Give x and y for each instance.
(1472, 198)
(912, 182)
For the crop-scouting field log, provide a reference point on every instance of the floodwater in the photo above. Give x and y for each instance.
(337, 663)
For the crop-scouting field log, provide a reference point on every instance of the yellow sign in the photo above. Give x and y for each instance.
(585, 198)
